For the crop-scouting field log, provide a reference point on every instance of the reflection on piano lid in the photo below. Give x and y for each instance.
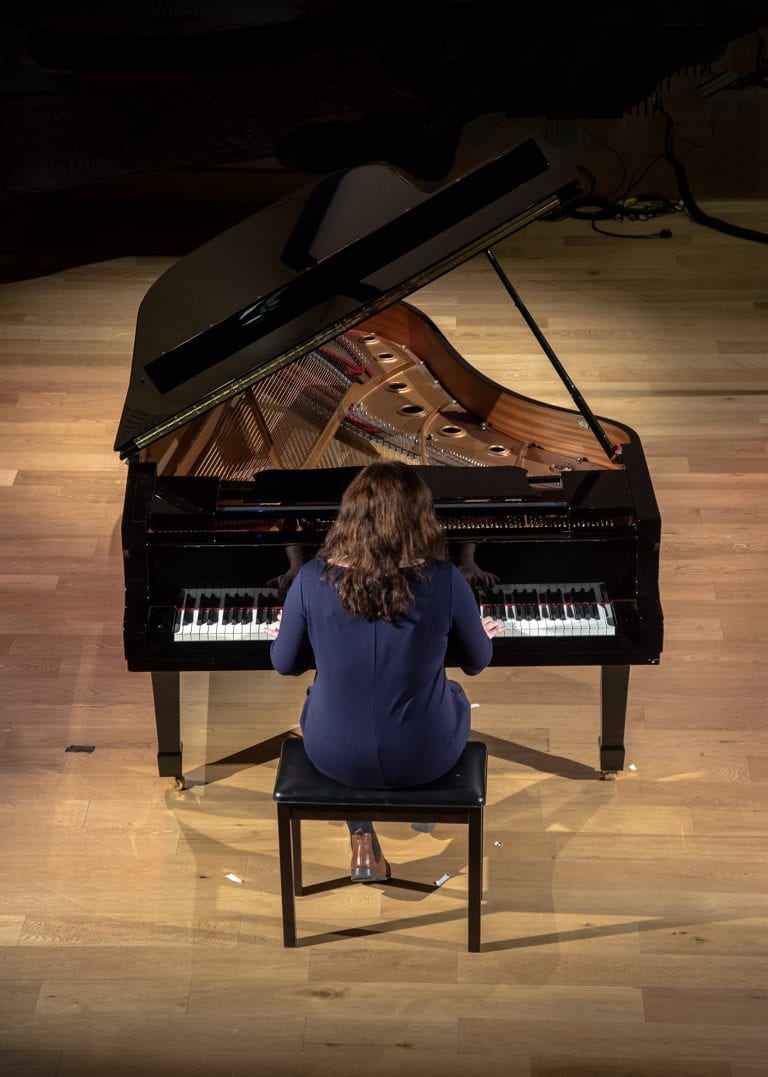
(295, 275)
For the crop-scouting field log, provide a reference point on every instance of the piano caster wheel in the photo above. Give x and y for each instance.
(179, 784)
(608, 775)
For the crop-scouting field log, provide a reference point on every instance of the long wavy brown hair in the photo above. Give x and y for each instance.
(385, 529)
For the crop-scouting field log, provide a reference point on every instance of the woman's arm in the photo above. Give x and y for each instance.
(291, 651)
(469, 639)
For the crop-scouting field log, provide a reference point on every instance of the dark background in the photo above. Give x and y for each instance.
(149, 128)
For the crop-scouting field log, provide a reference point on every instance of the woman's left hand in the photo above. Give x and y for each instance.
(491, 626)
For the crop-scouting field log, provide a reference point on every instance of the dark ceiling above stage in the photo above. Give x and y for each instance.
(87, 96)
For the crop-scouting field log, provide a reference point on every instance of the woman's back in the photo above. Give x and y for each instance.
(381, 711)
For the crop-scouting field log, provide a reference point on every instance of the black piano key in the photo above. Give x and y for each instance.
(189, 610)
(209, 606)
(228, 615)
(261, 610)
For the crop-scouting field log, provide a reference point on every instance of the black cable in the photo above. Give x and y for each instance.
(580, 209)
(592, 178)
(650, 163)
(663, 233)
(694, 211)
(591, 208)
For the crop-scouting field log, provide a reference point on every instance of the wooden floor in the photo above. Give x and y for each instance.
(624, 923)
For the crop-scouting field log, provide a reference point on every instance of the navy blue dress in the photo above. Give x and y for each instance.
(381, 712)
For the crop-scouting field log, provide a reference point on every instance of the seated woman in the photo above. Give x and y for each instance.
(375, 612)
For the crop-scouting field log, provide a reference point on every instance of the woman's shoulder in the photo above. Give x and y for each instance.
(439, 573)
(434, 566)
(312, 570)
(446, 576)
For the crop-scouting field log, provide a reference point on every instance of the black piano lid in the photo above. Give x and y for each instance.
(309, 267)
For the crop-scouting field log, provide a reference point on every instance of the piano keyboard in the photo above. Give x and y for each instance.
(550, 609)
(225, 615)
(240, 614)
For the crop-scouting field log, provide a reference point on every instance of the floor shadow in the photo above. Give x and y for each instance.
(228, 765)
(536, 760)
(345, 880)
(510, 751)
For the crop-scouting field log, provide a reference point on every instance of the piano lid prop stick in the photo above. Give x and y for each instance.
(613, 452)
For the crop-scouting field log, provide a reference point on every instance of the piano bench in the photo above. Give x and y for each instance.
(302, 792)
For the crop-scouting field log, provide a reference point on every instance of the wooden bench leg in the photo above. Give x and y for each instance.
(474, 879)
(285, 854)
(298, 882)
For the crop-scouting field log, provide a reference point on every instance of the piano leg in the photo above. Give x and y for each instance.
(614, 683)
(166, 688)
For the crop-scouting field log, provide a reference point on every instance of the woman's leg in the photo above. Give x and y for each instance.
(368, 863)
(366, 826)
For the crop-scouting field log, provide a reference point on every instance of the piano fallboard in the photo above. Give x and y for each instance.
(202, 538)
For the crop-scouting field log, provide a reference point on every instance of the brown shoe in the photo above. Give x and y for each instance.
(365, 867)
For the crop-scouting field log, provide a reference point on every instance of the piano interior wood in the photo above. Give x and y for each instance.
(392, 387)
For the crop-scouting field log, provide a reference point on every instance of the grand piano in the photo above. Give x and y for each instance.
(274, 361)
